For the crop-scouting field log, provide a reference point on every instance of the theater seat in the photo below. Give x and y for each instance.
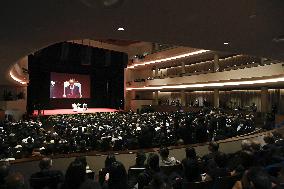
(45, 182)
(198, 185)
(226, 182)
(168, 170)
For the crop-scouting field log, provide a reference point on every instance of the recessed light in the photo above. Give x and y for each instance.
(226, 43)
(120, 29)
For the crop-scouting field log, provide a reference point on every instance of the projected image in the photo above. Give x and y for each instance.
(69, 86)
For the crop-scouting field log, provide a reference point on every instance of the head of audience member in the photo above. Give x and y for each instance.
(277, 135)
(213, 147)
(164, 152)
(190, 153)
(246, 145)
(15, 181)
(75, 175)
(109, 160)
(258, 178)
(153, 162)
(159, 182)
(45, 164)
(247, 159)
(82, 159)
(221, 160)
(140, 158)
(191, 171)
(255, 146)
(4, 172)
(269, 139)
(117, 176)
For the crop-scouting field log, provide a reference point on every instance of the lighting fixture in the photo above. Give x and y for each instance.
(120, 29)
(229, 83)
(168, 59)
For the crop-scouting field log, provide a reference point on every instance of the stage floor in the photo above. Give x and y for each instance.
(70, 111)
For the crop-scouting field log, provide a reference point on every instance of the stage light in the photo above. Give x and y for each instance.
(226, 43)
(120, 29)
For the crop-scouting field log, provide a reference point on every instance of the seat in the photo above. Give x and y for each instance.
(134, 171)
(133, 174)
(168, 170)
(198, 185)
(226, 182)
(45, 182)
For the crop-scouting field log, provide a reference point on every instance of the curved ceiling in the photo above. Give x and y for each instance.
(251, 27)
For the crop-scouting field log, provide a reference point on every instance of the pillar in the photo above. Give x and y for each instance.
(156, 98)
(183, 98)
(128, 98)
(182, 67)
(216, 63)
(156, 71)
(264, 100)
(216, 98)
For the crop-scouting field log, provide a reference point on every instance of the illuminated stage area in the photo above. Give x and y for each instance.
(70, 111)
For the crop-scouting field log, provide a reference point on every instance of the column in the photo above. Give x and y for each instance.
(128, 98)
(216, 98)
(182, 67)
(156, 71)
(264, 100)
(183, 98)
(156, 98)
(216, 63)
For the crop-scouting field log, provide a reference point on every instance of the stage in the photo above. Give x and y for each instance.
(70, 111)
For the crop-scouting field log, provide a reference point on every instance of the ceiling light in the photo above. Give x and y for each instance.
(120, 29)
(226, 43)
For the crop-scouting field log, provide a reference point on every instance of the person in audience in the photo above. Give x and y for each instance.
(134, 170)
(37, 180)
(191, 171)
(165, 159)
(116, 178)
(279, 141)
(213, 148)
(255, 178)
(218, 166)
(190, 154)
(4, 172)
(269, 142)
(108, 162)
(246, 161)
(139, 160)
(159, 181)
(75, 178)
(153, 168)
(15, 181)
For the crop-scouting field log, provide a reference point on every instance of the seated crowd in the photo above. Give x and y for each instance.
(63, 134)
(255, 166)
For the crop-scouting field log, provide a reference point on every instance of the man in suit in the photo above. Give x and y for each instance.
(72, 91)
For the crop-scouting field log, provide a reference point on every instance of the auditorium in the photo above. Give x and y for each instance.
(121, 94)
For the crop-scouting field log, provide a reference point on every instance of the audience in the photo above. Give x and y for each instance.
(61, 134)
(261, 166)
